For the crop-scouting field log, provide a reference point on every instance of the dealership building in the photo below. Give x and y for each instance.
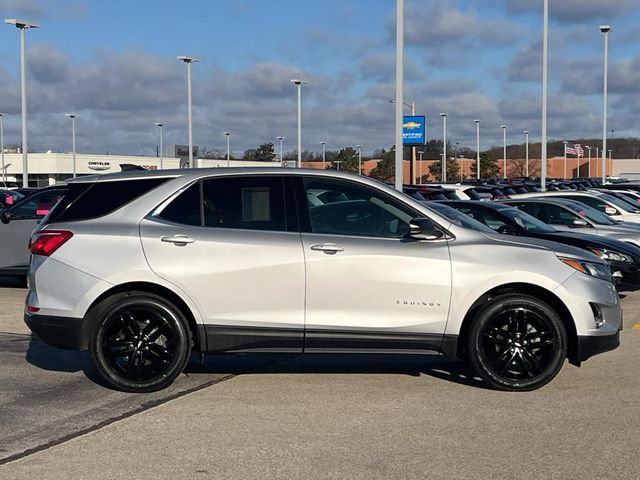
(50, 168)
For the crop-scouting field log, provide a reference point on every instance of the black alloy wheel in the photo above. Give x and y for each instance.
(517, 343)
(141, 342)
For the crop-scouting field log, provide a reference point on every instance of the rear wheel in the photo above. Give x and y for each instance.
(517, 343)
(140, 343)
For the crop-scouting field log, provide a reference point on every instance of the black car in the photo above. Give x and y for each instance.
(9, 197)
(623, 258)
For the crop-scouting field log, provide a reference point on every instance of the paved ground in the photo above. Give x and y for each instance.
(315, 417)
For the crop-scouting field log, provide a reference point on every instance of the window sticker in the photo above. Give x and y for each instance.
(256, 204)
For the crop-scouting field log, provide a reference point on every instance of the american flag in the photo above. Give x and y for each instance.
(574, 149)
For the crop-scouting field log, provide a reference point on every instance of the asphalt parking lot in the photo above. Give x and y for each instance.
(322, 416)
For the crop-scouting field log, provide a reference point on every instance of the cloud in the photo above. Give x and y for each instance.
(574, 11)
(27, 8)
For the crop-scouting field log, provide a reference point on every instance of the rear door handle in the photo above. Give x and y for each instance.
(327, 247)
(177, 239)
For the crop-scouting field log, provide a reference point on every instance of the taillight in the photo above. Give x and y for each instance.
(48, 241)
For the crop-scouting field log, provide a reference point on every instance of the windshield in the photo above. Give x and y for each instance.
(596, 216)
(459, 218)
(526, 221)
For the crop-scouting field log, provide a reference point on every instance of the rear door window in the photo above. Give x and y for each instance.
(37, 205)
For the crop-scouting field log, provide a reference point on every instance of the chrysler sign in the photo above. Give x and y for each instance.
(99, 166)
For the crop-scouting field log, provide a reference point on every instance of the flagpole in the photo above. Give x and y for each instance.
(577, 162)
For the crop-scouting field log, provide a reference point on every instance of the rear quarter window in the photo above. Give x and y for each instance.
(92, 200)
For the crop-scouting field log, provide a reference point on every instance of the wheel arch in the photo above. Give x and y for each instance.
(199, 339)
(527, 289)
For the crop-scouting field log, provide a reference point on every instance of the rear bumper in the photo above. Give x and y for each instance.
(61, 332)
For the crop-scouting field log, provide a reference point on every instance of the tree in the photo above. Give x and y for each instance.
(385, 171)
(518, 167)
(348, 158)
(435, 169)
(489, 168)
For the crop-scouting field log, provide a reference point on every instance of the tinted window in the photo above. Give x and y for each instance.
(37, 205)
(92, 200)
(362, 212)
(560, 216)
(185, 208)
(255, 203)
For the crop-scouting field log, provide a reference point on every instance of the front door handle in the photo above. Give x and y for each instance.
(327, 247)
(179, 240)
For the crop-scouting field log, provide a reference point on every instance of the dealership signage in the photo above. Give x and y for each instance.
(413, 130)
(99, 166)
(182, 152)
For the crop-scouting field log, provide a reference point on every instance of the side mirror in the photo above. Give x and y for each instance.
(5, 216)
(507, 230)
(579, 223)
(424, 229)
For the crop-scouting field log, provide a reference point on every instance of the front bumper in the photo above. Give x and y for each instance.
(62, 332)
(588, 346)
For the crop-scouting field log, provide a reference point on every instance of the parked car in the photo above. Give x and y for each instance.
(623, 258)
(217, 260)
(617, 209)
(26, 191)
(8, 185)
(577, 217)
(17, 223)
(462, 192)
(8, 197)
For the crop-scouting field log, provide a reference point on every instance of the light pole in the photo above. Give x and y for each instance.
(298, 84)
(22, 26)
(228, 135)
(4, 172)
(477, 122)
(72, 116)
(444, 147)
(420, 167)
(526, 153)
(565, 159)
(412, 106)
(399, 176)
(589, 161)
(324, 155)
(161, 126)
(189, 60)
(280, 139)
(504, 151)
(545, 79)
(359, 147)
(605, 29)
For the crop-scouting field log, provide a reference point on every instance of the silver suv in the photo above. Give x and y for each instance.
(142, 268)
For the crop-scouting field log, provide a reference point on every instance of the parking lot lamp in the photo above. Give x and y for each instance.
(324, 154)
(526, 153)
(477, 148)
(23, 26)
(228, 135)
(589, 161)
(420, 166)
(189, 60)
(161, 126)
(605, 29)
(359, 147)
(280, 140)
(298, 83)
(4, 172)
(72, 116)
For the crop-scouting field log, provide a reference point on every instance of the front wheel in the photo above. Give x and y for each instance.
(140, 342)
(517, 343)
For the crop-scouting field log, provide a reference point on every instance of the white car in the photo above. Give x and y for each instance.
(246, 259)
(614, 207)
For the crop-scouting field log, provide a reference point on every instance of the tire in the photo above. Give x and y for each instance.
(517, 343)
(139, 341)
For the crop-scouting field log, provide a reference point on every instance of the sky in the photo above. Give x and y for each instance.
(113, 63)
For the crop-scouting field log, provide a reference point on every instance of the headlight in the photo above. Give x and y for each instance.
(594, 269)
(611, 255)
